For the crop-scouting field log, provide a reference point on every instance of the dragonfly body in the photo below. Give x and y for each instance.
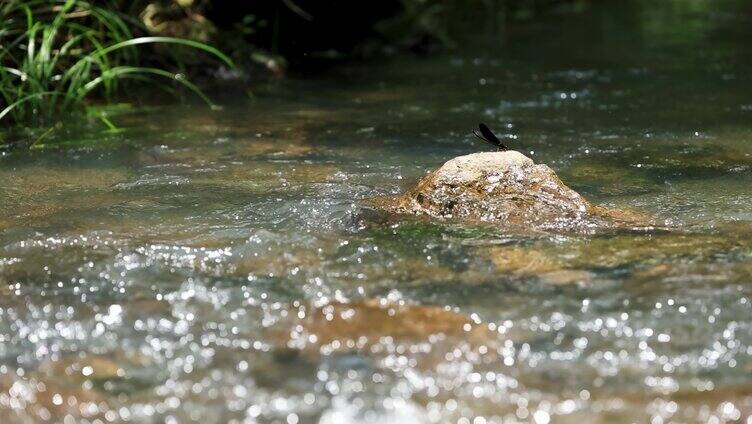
(489, 137)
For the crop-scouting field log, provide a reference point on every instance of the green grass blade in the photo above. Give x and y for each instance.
(121, 71)
(168, 40)
(21, 101)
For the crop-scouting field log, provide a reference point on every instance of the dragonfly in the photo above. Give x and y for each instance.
(489, 137)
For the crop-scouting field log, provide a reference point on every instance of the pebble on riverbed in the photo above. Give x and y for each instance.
(505, 188)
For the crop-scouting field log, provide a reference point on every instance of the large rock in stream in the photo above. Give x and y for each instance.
(506, 188)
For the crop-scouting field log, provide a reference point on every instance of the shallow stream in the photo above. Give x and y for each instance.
(215, 267)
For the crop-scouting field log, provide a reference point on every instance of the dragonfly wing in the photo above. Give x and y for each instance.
(489, 135)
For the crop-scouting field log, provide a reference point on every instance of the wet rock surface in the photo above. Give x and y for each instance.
(507, 189)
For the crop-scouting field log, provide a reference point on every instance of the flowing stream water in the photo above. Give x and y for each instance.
(215, 266)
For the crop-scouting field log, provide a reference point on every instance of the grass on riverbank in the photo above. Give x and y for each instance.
(56, 54)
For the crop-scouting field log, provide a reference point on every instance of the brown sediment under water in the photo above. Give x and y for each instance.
(215, 266)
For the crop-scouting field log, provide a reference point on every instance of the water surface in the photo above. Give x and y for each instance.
(215, 267)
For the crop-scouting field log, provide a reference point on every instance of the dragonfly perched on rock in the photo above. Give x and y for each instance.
(489, 137)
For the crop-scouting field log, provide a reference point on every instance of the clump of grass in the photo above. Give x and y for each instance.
(54, 54)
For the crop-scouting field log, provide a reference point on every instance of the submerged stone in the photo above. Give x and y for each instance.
(524, 262)
(367, 322)
(507, 189)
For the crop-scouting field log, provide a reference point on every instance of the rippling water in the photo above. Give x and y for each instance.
(215, 266)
